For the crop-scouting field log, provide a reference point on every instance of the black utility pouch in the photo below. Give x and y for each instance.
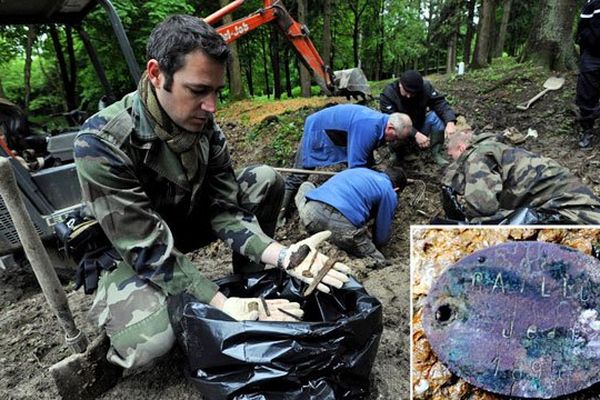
(85, 242)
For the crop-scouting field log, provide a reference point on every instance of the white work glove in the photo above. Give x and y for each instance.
(253, 309)
(336, 276)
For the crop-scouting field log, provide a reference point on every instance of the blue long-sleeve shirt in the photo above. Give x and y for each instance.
(361, 194)
(343, 133)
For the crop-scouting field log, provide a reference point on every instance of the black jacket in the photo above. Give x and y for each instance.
(588, 30)
(390, 102)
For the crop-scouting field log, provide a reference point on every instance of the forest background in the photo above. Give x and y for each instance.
(383, 37)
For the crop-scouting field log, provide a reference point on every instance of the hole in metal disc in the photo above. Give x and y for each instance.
(444, 313)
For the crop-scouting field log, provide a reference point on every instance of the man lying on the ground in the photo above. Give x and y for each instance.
(490, 180)
(347, 202)
(345, 133)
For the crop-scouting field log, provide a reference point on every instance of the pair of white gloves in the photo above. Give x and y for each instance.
(284, 310)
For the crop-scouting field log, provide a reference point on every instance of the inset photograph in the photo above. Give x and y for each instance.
(502, 312)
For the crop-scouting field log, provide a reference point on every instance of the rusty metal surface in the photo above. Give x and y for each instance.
(519, 319)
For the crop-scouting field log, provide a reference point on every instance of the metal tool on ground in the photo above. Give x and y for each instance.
(265, 306)
(304, 171)
(552, 83)
(325, 173)
(289, 314)
(91, 378)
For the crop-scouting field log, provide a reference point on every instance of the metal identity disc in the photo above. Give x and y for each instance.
(519, 319)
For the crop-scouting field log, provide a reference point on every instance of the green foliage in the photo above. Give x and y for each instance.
(407, 35)
(281, 133)
(504, 73)
(314, 91)
(500, 68)
(393, 37)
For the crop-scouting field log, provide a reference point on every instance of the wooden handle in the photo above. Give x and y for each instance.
(38, 257)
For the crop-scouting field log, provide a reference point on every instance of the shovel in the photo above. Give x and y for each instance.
(86, 373)
(552, 83)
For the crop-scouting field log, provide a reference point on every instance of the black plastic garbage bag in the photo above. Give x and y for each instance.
(531, 216)
(328, 355)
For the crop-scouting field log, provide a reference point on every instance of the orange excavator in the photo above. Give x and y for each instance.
(349, 82)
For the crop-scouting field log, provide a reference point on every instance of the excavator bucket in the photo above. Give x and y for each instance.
(351, 83)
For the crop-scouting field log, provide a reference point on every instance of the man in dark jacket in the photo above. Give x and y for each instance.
(347, 202)
(431, 115)
(588, 84)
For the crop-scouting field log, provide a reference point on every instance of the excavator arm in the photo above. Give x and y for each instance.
(348, 83)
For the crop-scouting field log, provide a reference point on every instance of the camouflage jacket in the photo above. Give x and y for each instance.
(135, 186)
(493, 179)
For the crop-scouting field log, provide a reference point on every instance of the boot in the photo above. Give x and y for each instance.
(437, 145)
(586, 139)
(286, 207)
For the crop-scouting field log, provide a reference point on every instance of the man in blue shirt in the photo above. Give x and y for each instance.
(345, 204)
(345, 133)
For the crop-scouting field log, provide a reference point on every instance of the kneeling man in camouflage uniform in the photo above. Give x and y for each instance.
(156, 173)
(490, 180)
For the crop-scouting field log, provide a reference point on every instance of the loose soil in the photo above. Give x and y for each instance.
(31, 341)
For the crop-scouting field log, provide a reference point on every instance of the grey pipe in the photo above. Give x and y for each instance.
(304, 171)
(117, 25)
(314, 172)
(38, 257)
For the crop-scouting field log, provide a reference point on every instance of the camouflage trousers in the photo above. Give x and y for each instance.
(317, 216)
(133, 311)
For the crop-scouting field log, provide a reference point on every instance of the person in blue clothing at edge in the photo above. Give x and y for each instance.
(431, 115)
(345, 133)
(347, 202)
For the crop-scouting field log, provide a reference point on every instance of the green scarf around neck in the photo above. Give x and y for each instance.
(179, 140)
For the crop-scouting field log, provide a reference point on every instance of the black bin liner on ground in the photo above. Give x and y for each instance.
(328, 355)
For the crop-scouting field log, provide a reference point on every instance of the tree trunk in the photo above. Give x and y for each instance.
(470, 31)
(247, 66)
(234, 69)
(31, 35)
(72, 67)
(275, 62)
(326, 42)
(482, 53)
(304, 74)
(551, 44)
(451, 60)
(266, 64)
(2, 94)
(355, 41)
(64, 73)
(288, 78)
(357, 11)
(333, 47)
(503, 28)
(429, 34)
(478, 29)
(381, 41)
